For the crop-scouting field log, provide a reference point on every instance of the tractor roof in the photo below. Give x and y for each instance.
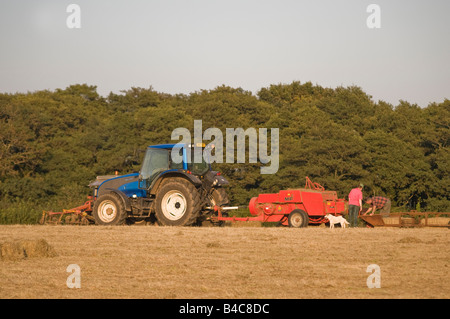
(170, 146)
(166, 146)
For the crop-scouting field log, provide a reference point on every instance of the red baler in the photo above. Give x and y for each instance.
(293, 207)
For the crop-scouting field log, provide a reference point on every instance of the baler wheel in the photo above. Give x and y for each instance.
(298, 218)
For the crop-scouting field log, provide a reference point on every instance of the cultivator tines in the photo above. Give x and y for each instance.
(74, 216)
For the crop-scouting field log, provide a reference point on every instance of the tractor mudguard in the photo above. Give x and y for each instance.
(124, 197)
(192, 178)
(214, 179)
(128, 182)
(221, 180)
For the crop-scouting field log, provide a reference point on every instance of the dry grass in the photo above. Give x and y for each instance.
(229, 262)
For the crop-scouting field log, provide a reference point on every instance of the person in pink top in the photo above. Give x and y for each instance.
(355, 204)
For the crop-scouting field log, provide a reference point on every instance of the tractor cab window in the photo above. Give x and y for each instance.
(155, 162)
(197, 168)
(172, 164)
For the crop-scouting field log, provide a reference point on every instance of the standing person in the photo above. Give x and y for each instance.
(379, 202)
(355, 204)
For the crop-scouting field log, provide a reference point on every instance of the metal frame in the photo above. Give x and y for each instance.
(377, 220)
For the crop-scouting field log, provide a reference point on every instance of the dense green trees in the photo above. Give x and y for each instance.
(52, 144)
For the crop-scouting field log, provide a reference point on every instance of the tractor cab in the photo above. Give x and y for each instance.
(160, 160)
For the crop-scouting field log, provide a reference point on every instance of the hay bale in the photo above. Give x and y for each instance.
(38, 248)
(23, 249)
(11, 251)
(408, 221)
(437, 221)
(394, 220)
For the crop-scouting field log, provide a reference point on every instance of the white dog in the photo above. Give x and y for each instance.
(337, 220)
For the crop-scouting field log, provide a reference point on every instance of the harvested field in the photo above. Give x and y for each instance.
(228, 262)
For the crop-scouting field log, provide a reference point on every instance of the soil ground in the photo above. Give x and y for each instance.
(229, 262)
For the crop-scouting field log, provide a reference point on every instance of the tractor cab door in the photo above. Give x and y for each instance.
(155, 162)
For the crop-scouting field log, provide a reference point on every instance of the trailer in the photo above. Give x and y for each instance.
(408, 219)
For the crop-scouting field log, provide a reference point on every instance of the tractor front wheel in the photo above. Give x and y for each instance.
(109, 210)
(298, 218)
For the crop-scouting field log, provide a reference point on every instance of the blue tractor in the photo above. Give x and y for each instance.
(172, 194)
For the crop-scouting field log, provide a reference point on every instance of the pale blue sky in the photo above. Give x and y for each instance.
(182, 46)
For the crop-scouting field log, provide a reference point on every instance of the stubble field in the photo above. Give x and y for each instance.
(229, 262)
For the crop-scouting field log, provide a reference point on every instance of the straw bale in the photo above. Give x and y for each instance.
(23, 249)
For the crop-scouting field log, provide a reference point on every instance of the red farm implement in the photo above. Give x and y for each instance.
(293, 207)
(75, 216)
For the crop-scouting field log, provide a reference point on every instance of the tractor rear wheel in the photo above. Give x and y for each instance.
(219, 197)
(177, 203)
(298, 218)
(109, 210)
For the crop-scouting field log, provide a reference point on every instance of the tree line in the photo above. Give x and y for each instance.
(53, 143)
